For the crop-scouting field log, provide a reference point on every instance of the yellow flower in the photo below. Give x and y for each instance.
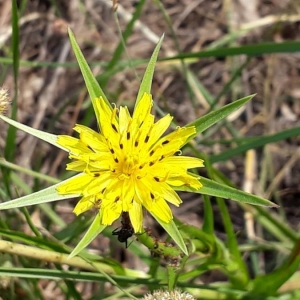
(128, 165)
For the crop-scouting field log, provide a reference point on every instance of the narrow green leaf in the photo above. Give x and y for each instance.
(95, 229)
(130, 277)
(10, 143)
(274, 225)
(194, 81)
(174, 233)
(47, 137)
(216, 189)
(269, 284)
(11, 136)
(208, 220)
(145, 86)
(47, 195)
(255, 49)
(255, 143)
(213, 117)
(240, 278)
(35, 174)
(91, 83)
(243, 277)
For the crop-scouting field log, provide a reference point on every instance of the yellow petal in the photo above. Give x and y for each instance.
(108, 123)
(98, 184)
(142, 194)
(76, 165)
(142, 134)
(74, 185)
(136, 216)
(186, 180)
(180, 134)
(111, 213)
(159, 128)
(74, 145)
(185, 162)
(162, 210)
(124, 118)
(91, 138)
(142, 109)
(161, 190)
(85, 204)
(128, 193)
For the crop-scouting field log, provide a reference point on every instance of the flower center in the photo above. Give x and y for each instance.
(128, 167)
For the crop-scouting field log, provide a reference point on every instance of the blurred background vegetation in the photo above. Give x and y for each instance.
(214, 52)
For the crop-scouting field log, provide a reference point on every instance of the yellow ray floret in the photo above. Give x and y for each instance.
(129, 164)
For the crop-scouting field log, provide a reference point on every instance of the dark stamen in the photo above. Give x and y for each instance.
(112, 151)
(136, 143)
(151, 163)
(147, 139)
(128, 135)
(152, 196)
(151, 153)
(165, 142)
(116, 160)
(156, 179)
(90, 148)
(114, 128)
(121, 146)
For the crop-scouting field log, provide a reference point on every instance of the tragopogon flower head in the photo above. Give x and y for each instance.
(128, 165)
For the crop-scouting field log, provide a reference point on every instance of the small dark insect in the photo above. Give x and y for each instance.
(125, 231)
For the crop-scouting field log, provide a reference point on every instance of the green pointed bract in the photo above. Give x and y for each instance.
(146, 83)
(94, 230)
(215, 116)
(44, 196)
(47, 137)
(174, 233)
(213, 188)
(91, 82)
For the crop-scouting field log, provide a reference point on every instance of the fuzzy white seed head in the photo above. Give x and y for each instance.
(169, 295)
(4, 100)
